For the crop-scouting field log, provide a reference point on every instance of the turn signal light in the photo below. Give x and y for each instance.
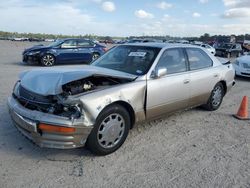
(54, 128)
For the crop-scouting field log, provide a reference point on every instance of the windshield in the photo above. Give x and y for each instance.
(134, 60)
(56, 43)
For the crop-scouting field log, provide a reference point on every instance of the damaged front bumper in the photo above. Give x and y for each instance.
(31, 58)
(27, 122)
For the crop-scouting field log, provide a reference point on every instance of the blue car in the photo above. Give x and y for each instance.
(64, 51)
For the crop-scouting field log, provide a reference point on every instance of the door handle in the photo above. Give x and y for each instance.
(186, 81)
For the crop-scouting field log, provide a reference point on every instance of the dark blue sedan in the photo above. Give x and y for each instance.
(64, 51)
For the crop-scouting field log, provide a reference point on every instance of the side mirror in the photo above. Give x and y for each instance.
(159, 72)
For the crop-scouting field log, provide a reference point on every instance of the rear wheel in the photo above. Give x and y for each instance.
(48, 60)
(110, 130)
(215, 98)
(95, 56)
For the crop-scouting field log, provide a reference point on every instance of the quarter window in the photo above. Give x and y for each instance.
(173, 60)
(198, 59)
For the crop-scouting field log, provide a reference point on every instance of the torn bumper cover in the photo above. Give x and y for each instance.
(28, 121)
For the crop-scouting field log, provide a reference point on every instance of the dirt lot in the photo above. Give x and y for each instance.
(194, 148)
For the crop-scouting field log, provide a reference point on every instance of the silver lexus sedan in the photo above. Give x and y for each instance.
(97, 105)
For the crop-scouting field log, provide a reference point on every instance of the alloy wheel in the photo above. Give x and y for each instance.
(48, 60)
(95, 56)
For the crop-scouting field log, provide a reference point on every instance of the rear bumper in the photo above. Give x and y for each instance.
(245, 74)
(239, 71)
(26, 121)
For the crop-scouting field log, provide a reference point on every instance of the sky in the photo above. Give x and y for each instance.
(182, 18)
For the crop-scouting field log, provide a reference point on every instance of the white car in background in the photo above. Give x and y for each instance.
(242, 66)
(209, 48)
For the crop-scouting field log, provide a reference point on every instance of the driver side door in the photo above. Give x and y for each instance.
(171, 92)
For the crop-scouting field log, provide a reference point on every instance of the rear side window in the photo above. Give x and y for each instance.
(198, 59)
(84, 43)
(174, 60)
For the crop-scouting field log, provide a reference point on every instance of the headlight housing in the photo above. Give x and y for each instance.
(33, 53)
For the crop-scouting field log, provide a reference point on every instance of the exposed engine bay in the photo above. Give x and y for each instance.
(89, 84)
(55, 104)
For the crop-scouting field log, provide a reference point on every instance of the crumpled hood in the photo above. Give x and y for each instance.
(49, 81)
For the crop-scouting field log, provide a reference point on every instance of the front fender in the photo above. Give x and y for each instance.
(93, 103)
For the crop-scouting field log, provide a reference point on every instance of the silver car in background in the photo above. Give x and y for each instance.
(242, 66)
(97, 105)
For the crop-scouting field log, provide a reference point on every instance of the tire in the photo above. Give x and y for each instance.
(110, 130)
(215, 98)
(95, 56)
(48, 60)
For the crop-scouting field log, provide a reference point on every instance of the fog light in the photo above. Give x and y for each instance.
(54, 128)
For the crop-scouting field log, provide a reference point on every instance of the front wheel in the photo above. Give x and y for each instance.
(48, 60)
(110, 130)
(215, 98)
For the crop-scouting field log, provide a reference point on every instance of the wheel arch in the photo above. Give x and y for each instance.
(127, 107)
(223, 82)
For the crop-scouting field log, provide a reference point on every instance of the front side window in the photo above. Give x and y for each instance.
(173, 60)
(135, 60)
(69, 44)
(198, 59)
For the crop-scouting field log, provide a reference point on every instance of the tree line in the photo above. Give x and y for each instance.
(204, 38)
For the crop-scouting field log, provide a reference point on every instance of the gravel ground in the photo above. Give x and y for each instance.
(194, 148)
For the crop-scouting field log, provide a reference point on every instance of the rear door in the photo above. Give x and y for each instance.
(202, 74)
(85, 50)
(170, 92)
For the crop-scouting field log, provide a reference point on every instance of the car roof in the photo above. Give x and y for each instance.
(161, 45)
(63, 39)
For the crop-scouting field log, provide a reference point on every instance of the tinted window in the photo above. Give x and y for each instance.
(174, 60)
(84, 43)
(238, 46)
(208, 47)
(69, 44)
(130, 59)
(198, 59)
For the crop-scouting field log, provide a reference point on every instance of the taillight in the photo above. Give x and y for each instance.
(105, 49)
